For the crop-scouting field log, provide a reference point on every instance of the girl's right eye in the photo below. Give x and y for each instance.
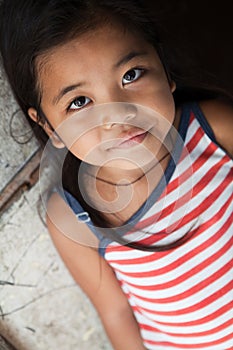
(79, 103)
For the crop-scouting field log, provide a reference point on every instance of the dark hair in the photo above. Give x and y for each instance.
(29, 28)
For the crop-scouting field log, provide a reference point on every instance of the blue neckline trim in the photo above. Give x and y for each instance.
(182, 130)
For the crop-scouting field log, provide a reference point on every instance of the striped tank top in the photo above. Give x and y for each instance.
(182, 297)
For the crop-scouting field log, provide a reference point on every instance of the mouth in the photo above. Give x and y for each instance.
(131, 140)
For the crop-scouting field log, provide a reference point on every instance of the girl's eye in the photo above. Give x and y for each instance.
(79, 102)
(132, 75)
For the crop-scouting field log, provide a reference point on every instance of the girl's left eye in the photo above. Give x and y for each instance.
(79, 103)
(132, 75)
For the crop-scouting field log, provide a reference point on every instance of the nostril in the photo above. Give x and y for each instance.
(131, 112)
(107, 123)
(130, 117)
(118, 113)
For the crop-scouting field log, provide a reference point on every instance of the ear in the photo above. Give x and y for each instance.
(55, 139)
(172, 86)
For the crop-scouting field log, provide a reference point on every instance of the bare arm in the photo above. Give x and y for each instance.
(220, 117)
(95, 277)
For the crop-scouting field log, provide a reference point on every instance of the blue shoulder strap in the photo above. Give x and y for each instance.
(84, 217)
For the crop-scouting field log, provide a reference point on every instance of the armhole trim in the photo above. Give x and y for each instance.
(204, 122)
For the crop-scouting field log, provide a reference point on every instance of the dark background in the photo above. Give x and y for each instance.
(202, 31)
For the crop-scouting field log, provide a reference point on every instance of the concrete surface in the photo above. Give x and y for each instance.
(41, 307)
(5, 345)
(16, 142)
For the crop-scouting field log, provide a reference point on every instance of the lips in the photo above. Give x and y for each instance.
(131, 139)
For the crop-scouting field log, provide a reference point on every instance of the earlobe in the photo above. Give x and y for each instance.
(172, 86)
(33, 115)
(55, 139)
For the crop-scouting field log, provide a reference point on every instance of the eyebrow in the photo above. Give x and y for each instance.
(65, 91)
(131, 55)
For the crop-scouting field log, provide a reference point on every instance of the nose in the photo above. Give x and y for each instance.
(117, 113)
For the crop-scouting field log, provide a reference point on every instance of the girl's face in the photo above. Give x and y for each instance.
(106, 65)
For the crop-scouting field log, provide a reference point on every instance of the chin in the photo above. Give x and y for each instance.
(119, 164)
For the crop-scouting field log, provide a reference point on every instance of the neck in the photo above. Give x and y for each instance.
(122, 177)
(118, 201)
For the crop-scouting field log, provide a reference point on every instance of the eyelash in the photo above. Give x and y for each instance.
(142, 72)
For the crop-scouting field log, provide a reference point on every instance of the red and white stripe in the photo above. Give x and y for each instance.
(183, 297)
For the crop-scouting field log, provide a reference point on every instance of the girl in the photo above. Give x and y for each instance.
(91, 76)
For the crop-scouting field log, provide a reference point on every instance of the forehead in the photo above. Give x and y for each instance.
(108, 39)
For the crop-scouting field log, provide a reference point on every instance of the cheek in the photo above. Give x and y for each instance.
(167, 105)
(161, 100)
(84, 146)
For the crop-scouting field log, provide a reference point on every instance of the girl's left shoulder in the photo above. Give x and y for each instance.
(219, 114)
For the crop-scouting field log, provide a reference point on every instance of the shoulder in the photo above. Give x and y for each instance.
(63, 224)
(77, 247)
(75, 244)
(219, 114)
